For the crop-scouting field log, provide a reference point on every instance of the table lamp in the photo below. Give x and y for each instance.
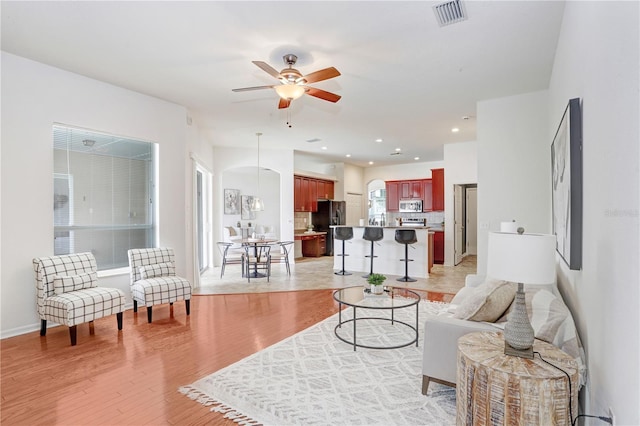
(525, 259)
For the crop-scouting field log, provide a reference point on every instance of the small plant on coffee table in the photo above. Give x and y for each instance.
(376, 280)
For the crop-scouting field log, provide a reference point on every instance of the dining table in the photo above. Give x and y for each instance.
(255, 242)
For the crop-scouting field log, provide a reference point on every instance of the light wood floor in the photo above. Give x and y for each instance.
(132, 377)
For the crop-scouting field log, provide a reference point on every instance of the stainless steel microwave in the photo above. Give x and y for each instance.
(410, 206)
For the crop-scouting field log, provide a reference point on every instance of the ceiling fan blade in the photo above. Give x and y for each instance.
(268, 69)
(284, 103)
(246, 89)
(321, 75)
(327, 96)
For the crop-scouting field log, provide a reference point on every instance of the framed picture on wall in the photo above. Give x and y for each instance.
(247, 213)
(566, 169)
(231, 201)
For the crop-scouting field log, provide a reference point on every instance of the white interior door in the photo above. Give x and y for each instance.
(354, 209)
(472, 221)
(458, 246)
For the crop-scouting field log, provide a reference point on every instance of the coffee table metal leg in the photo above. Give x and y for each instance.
(354, 328)
(417, 320)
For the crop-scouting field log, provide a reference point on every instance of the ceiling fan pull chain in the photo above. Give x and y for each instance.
(289, 123)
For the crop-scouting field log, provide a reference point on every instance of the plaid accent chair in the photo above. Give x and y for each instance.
(67, 293)
(154, 280)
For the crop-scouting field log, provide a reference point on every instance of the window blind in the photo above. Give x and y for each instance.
(103, 195)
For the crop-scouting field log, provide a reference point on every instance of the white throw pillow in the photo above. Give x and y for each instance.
(65, 284)
(487, 302)
(157, 270)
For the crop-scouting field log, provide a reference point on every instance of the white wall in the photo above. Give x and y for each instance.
(460, 167)
(34, 96)
(278, 160)
(597, 60)
(514, 166)
(244, 180)
(402, 171)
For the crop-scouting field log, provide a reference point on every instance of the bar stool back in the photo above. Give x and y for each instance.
(343, 233)
(373, 234)
(406, 237)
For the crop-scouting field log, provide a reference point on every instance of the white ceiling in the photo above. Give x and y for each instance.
(404, 78)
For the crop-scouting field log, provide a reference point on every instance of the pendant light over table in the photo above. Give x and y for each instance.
(257, 205)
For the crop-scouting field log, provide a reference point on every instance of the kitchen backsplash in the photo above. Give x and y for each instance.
(301, 220)
(432, 217)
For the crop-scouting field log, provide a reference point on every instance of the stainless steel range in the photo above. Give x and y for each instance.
(414, 222)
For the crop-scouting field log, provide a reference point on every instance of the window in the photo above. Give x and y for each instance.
(103, 195)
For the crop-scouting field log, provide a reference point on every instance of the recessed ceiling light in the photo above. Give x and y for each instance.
(416, 158)
(370, 162)
(455, 130)
(348, 155)
(398, 149)
(378, 140)
(324, 148)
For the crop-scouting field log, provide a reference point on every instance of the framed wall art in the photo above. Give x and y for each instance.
(231, 201)
(566, 169)
(247, 213)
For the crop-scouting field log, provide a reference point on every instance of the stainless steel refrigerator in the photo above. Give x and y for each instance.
(329, 213)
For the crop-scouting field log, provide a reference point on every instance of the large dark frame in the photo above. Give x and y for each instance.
(566, 169)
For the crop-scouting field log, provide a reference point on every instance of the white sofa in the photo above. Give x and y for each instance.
(550, 318)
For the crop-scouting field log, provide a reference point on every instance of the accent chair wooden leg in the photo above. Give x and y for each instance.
(43, 327)
(135, 306)
(187, 304)
(73, 333)
(149, 314)
(119, 319)
(92, 329)
(171, 310)
(425, 384)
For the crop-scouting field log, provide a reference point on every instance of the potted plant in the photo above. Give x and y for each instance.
(375, 281)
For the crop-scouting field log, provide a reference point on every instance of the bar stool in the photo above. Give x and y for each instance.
(343, 233)
(373, 234)
(406, 237)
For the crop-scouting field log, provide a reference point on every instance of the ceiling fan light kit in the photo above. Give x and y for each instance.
(293, 82)
(289, 91)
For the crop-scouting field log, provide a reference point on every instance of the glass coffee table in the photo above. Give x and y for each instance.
(393, 298)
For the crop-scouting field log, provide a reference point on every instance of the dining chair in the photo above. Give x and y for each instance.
(282, 255)
(257, 259)
(232, 254)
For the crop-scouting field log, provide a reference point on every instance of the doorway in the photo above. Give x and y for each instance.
(203, 218)
(465, 213)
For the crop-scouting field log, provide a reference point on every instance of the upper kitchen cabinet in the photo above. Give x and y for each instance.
(393, 195)
(427, 195)
(411, 189)
(437, 179)
(307, 191)
(325, 189)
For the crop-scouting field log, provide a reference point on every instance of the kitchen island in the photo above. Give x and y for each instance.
(388, 253)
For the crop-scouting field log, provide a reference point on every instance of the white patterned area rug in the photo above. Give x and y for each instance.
(313, 378)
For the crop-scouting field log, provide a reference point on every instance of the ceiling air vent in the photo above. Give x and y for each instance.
(450, 12)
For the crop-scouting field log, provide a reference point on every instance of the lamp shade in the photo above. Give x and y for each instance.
(522, 258)
(289, 91)
(257, 205)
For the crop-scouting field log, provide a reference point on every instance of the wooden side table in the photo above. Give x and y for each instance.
(498, 389)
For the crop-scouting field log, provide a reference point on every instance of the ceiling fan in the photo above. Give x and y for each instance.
(293, 84)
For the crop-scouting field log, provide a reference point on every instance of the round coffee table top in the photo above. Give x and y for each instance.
(391, 298)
